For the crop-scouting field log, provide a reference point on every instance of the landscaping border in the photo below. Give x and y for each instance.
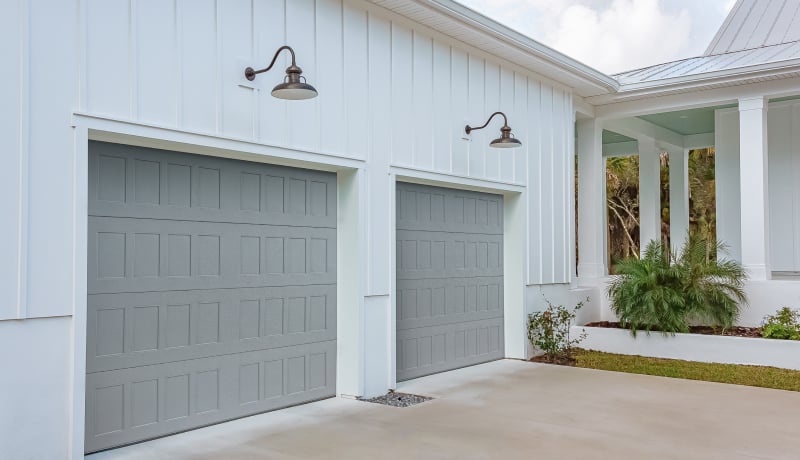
(693, 347)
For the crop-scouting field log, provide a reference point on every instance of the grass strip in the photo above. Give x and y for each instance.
(756, 376)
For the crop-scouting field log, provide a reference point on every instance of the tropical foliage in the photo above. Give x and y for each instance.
(667, 292)
(622, 200)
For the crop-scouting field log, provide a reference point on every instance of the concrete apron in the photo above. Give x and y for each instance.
(512, 409)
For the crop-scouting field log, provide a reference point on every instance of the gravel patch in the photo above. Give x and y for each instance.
(395, 399)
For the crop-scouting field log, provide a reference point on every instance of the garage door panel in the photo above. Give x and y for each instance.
(424, 254)
(427, 350)
(435, 301)
(449, 275)
(129, 181)
(421, 207)
(151, 401)
(137, 255)
(128, 330)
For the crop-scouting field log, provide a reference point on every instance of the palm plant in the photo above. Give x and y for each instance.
(665, 291)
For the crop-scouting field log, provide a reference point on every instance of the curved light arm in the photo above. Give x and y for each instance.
(250, 73)
(468, 128)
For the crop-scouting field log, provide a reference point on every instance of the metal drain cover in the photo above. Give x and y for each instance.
(395, 399)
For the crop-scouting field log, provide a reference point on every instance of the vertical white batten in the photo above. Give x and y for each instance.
(133, 59)
(24, 162)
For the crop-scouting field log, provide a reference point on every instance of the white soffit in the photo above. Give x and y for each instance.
(467, 26)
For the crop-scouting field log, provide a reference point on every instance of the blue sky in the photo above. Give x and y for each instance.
(613, 35)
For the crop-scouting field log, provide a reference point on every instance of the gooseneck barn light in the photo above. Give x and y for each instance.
(506, 139)
(293, 87)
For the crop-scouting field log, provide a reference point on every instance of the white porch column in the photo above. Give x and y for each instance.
(649, 192)
(592, 228)
(754, 187)
(678, 196)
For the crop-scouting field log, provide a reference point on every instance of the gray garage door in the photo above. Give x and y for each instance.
(211, 288)
(449, 279)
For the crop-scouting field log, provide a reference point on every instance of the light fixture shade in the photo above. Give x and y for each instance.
(505, 143)
(294, 91)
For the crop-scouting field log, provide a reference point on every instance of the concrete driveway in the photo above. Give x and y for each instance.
(513, 409)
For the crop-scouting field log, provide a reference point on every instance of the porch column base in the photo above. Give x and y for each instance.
(591, 270)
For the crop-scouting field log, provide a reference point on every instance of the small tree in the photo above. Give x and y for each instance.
(548, 330)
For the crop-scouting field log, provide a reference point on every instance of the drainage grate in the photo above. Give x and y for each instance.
(395, 399)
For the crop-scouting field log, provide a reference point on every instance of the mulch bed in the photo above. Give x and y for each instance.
(561, 360)
(395, 399)
(736, 331)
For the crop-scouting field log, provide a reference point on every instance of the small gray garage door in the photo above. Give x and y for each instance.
(211, 288)
(449, 279)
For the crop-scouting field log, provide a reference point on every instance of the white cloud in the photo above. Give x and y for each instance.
(613, 35)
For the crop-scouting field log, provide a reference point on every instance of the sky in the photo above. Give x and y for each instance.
(613, 35)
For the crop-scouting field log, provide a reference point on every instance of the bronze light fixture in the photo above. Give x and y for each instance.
(506, 139)
(292, 88)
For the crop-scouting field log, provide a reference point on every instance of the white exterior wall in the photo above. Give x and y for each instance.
(784, 175)
(394, 98)
(35, 388)
(784, 192)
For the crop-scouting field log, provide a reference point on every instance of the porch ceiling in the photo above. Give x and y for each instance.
(610, 137)
(685, 122)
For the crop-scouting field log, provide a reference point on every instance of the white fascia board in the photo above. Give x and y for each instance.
(673, 101)
(636, 127)
(510, 37)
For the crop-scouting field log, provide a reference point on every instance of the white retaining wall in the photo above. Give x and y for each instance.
(694, 347)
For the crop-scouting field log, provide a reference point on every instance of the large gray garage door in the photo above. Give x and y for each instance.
(212, 291)
(449, 279)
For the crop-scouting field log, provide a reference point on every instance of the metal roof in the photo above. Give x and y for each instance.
(757, 23)
(743, 60)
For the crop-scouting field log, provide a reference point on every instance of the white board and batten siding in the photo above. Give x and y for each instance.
(392, 94)
(386, 86)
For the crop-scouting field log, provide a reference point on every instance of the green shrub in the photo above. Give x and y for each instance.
(664, 291)
(785, 325)
(548, 330)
